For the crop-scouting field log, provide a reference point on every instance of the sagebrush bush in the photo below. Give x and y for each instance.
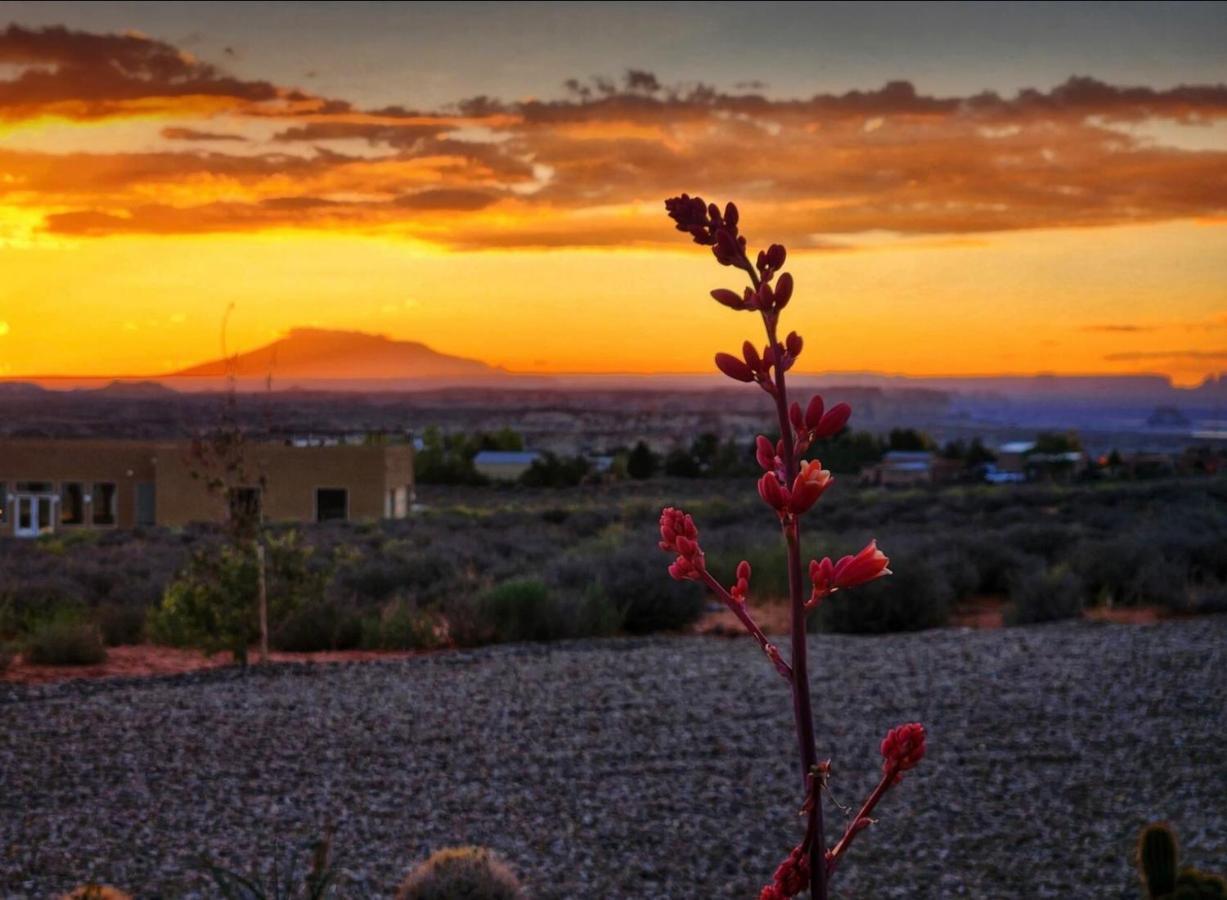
(1045, 595)
(915, 597)
(319, 624)
(65, 641)
(527, 610)
(462, 873)
(121, 623)
(400, 624)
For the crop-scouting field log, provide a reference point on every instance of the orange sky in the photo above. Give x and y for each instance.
(143, 192)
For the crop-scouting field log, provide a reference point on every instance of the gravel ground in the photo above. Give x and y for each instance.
(634, 768)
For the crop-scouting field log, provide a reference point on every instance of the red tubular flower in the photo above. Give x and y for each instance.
(809, 485)
(902, 749)
(734, 368)
(827, 577)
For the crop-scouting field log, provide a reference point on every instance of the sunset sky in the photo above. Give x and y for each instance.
(963, 189)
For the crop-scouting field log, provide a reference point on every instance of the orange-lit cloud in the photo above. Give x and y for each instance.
(590, 169)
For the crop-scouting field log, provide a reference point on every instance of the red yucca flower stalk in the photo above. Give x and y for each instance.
(790, 486)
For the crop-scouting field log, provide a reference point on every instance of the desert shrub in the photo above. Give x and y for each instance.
(959, 568)
(376, 578)
(7, 654)
(1049, 540)
(461, 873)
(121, 623)
(631, 580)
(1045, 595)
(527, 610)
(1206, 599)
(400, 624)
(65, 641)
(915, 597)
(1129, 571)
(996, 562)
(319, 624)
(769, 565)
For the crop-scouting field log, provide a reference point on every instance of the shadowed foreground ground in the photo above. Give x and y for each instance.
(658, 768)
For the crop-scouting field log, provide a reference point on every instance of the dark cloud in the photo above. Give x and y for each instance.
(1188, 355)
(455, 199)
(191, 134)
(1119, 329)
(97, 75)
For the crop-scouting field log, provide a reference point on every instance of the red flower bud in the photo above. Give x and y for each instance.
(813, 412)
(776, 255)
(902, 749)
(743, 582)
(783, 290)
(772, 492)
(765, 453)
(753, 360)
(728, 298)
(794, 416)
(794, 344)
(674, 524)
(833, 421)
(730, 215)
(734, 368)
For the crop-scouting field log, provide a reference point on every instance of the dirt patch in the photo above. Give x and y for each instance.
(147, 659)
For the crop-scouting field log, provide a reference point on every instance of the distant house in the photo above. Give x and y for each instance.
(1012, 457)
(901, 467)
(1021, 460)
(504, 465)
(47, 486)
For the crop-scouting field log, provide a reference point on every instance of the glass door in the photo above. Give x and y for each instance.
(35, 515)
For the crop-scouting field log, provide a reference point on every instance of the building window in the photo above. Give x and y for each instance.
(245, 504)
(35, 487)
(146, 503)
(4, 503)
(103, 502)
(331, 504)
(72, 503)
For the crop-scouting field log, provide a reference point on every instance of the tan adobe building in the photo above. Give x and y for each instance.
(60, 485)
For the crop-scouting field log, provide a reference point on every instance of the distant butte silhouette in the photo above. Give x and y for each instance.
(317, 353)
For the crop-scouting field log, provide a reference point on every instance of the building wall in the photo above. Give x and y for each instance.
(371, 474)
(123, 463)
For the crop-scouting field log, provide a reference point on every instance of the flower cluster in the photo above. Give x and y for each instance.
(902, 749)
(791, 876)
(828, 577)
(679, 535)
(791, 486)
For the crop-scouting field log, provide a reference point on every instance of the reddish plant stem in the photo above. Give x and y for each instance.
(802, 710)
(739, 610)
(888, 780)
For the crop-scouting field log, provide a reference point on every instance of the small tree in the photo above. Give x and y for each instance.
(642, 462)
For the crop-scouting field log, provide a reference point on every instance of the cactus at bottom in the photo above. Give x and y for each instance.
(462, 873)
(92, 891)
(1158, 860)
